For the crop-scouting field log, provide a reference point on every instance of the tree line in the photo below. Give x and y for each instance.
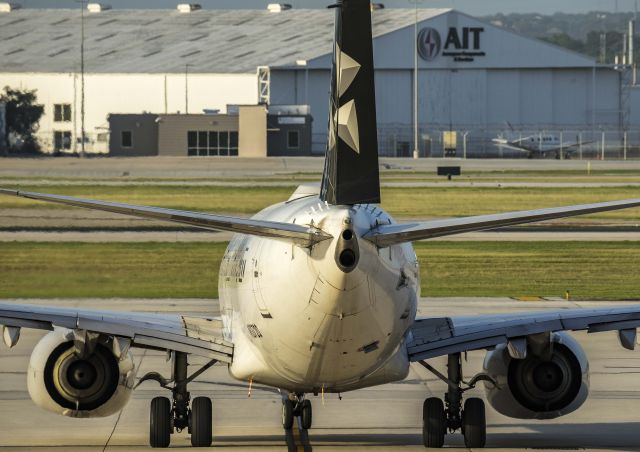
(578, 32)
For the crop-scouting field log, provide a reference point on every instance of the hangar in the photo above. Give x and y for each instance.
(472, 76)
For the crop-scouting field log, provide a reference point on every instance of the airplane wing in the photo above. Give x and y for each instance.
(391, 234)
(566, 146)
(305, 236)
(432, 337)
(515, 146)
(201, 336)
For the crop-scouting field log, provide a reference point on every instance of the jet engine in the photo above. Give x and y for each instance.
(550, 379)
(80, 374)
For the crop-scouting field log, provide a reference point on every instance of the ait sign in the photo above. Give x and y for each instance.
(462, 44)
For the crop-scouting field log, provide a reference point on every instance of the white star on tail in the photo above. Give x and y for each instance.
(347, 70)
(348, 125)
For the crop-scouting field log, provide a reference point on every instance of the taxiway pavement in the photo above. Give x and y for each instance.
(187, 167)
(381, 418)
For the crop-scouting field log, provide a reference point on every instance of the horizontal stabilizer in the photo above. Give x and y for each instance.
(305, 236)
(392, 234)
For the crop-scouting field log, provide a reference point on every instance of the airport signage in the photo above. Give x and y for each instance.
(461, 44)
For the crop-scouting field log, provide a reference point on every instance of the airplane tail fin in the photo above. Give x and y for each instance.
(351, 173)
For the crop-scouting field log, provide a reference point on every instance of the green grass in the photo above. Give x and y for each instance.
(154, 270)
(400, 202)
(590, 270)
(239, 200)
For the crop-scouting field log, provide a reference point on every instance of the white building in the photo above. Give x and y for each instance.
(472, 76)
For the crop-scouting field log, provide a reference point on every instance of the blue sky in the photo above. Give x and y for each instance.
(476, 7)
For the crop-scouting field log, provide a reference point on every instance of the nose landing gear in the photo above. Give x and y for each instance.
(438, 419)
(296, 405)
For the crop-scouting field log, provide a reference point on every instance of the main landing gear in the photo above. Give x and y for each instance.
(180, 412)
(296, 405)
(449, 416)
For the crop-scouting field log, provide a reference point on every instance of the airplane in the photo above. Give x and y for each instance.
(539, 145)
(319, 294)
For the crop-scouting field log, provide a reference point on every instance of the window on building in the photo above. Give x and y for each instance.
(212, 143)
(233, 143)
(293, 139)
(62, 112)
(203, 144)
(126, 139)
(192, 143)
(223, 143)
(61, 140)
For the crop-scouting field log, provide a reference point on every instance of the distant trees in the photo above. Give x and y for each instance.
(578, 32)
(592, 44)
(566, 41)
(22, 117)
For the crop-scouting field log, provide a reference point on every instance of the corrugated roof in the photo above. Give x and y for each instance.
(164, 41)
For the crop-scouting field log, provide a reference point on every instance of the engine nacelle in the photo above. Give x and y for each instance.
(61, 382)
(538, 388)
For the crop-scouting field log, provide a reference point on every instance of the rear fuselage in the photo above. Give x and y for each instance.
(301, 320)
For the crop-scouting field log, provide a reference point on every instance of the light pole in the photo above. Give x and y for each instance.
(186, 88)
(416, 150)
(82, 131)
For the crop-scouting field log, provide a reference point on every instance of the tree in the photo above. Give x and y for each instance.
(566, 41)
(22, 118)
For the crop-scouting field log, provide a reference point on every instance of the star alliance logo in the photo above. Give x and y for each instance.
(429, 44)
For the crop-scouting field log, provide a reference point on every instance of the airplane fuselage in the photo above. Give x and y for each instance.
(300, 320)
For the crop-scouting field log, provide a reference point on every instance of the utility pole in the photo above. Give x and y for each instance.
(82, 131)
(603, 47)
(416, 150)
(186, 88)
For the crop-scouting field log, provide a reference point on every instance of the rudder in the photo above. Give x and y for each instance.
(351, 173)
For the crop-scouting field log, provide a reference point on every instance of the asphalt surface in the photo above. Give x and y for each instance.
(381, 418)
(293, 183)
(179, 167)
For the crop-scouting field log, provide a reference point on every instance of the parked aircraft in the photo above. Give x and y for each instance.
(319, 295)
(537, 145)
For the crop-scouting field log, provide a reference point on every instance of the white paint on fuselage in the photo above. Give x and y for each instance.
(298, 322)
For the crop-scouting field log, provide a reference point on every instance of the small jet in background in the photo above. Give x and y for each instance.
(538, 145)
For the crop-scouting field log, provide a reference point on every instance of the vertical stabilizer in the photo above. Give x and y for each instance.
(351, 164)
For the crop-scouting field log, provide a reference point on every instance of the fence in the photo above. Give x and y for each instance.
(65, 141)
(496, 142)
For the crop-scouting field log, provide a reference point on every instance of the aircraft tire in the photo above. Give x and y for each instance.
(433, 422)
(160, 423)
(287, 414)
(474, 423)
(306, 415)
(201, 415)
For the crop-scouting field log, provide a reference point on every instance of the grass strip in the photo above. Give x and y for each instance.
(400, 202)
(589, 270)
